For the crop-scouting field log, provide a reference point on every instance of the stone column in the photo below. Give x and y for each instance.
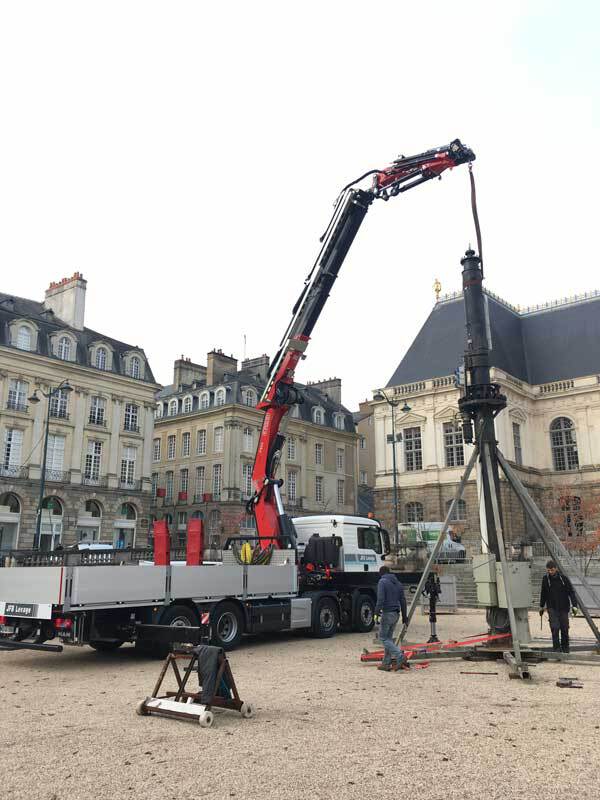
(79, 413)
(37, 442)
(115, 432)
(148, 431)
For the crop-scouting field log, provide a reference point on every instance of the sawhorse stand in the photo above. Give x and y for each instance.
(184, 704)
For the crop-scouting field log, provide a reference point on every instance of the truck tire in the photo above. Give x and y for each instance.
(179, 616)
(106, 646)
(227, 625)
(175, 616)
(326, 620)
(365, 610)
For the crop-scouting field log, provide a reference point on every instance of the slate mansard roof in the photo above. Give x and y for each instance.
(548, 343)
(47, 323)
(243, 380)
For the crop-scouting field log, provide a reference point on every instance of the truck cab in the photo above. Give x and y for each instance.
(364, 542)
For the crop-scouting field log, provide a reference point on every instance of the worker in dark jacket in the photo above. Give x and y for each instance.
(558, 597)
(390, 604)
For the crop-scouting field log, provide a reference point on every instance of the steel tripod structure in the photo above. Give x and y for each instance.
(481, 402)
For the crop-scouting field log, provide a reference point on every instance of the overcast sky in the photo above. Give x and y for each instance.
(184, 156)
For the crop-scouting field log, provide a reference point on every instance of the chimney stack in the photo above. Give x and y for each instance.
(186, 373)
(332, 387)
(66, 299)
(217, 364)
(257, 366)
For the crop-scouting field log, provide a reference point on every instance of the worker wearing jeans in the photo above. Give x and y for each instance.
(391, 602)
(558, 596)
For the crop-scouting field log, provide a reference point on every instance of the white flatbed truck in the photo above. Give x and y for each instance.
(100, 604)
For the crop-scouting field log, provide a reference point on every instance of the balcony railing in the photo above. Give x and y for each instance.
(57, 476)
(59, 413)
(95, 480)
(14, 472)
(131, 427)
(97, 421)
(131, 486)
(16, 405)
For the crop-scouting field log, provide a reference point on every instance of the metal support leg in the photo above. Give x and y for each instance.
(487, 460)
(438, 544)
(548, 536)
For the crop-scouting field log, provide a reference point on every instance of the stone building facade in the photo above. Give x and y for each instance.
(206, 433)
(364, 420)
(547, 361)
(97, 477)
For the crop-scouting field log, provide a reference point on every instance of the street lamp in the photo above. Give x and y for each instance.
(64, 387)
(381, 395)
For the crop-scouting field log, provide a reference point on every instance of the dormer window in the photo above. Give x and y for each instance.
(24, 338)
(101, 358)
(172, 407)
(318, 415)
(135, 367)
(220, 397)
(187, 404)
(158, 411)
(204, 400)
(339, 421)
(63, 350)
(249, 397)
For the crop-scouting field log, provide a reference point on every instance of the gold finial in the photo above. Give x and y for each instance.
(437, 288)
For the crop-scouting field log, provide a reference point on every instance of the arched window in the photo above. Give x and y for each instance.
(318, 415)
(64, 348)
(173, 407)
(564, 444)
(460, 511)
(135, 367)
(158, 411)
(414, 512)
(128, 511)
(248, 439)
(573, 523)
(249, 397)
(187, 404)
(93, 507)
(54, 505)
(220, 397)
(339, 421)
(12, 501)
(24, 338)
(204, 400)
(101, 358)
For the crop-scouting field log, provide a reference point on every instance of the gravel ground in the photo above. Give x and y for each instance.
(326, 727)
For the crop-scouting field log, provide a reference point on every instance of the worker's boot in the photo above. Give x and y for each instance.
(556, 641)
(385, 667)
(564, 646)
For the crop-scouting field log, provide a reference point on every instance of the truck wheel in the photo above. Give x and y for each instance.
(365, 608)
(179, 617)
(176, 617)
(327, 618)
(227, 626)
(107, 646)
